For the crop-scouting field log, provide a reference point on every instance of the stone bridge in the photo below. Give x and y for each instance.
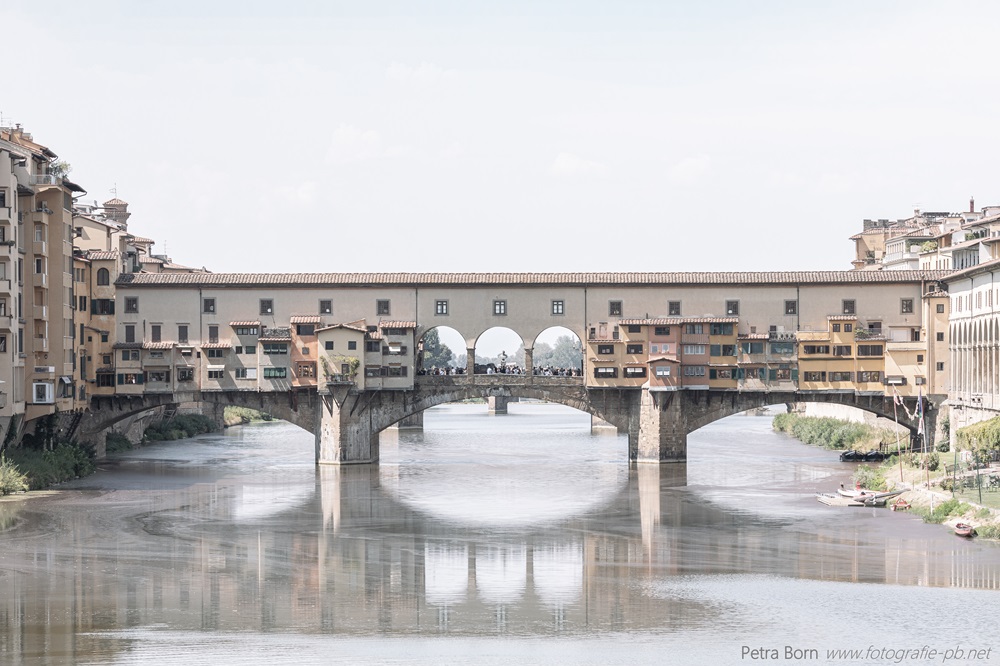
(347, 422)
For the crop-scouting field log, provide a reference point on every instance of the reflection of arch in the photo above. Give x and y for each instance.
(558, 573)
(501, 573)
(446, 573)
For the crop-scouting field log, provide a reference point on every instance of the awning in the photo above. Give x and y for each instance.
(305, 319)
(216, 367)
(66, 379)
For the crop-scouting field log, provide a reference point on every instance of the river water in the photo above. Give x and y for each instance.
(519, 538)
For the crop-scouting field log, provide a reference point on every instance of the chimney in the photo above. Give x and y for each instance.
(972, 204)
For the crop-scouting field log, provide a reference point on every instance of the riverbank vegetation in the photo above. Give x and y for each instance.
(242, 415)
(179, 427)
(39, 469)
(832, 433)
(12, 480)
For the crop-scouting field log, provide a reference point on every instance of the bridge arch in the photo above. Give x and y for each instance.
(496, 342)
(446, 337)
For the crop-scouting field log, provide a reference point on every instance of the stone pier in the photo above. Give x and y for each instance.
(498, 403)
(415, 422)
(343, 438)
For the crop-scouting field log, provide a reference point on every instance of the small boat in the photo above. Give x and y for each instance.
(965, 530)
(876, 499)
(901, 505)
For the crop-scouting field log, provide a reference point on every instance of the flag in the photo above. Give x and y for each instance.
(896, 398)
(920, 411)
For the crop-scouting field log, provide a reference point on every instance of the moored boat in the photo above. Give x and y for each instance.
(965, 530)
(901, 505)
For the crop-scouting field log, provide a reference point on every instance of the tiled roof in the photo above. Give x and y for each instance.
(217, 345)
(244, 323)
(141, 240)
(305, 319)
(360, 329)
(677, 321)
(841, 317)
(753, 336)
(127, 345)
(158, 345)
(152, 260)
(276, 336)
(115, 202)
(973, 270)
(397, 324)
(516, 279)
(103, 255)
(663, 357)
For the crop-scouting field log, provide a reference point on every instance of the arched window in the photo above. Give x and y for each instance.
(103, 276)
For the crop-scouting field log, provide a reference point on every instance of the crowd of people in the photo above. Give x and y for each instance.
(505, 369)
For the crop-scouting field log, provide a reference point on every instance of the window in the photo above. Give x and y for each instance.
(305, 351)
(275, 373)
(185, 374)
(558, 307)
(920, 358)
(715, 373)
(161, 376)
(394, 350)
(842, 350)
(939, 337)
(373, 346)
(82, 303)
(131, 304)
(919, 381)
(720, 329)
(791, 307)
(105, 379)
(246, 373)
(694, 329)
(130, 354)
(208, 305)
(102, 306)
(441, 308)
(216, 374)
(275, 348)
(605, 372)
(605, 349)
(674, 308)
(395, 371)
(129, 332)
(848, 307)
(373, 371)
(326, 307)
(940, 308)
(815, 349)
(3, 343)
(214, 353)
(906, 306)
(753, 347)
(382, 307)
(614, 308)
(633, 349)
(213, 333)
(499, 308)
(814, 376)
(352, 345)
(103, 277)
(307, 370)
(250, 349)
(154, 332)
(661, 330)
(840, 376)
(662, 370)
(129, 378)
(869, 350)
(694, 349)
(239, 350)
(328, 345)
(848, 328)
(732, 307)
(266, 306)
(870, 376)
(835, 328)
(632, 372)
(305, 329)
(940, 366)
(182, 333)
(104, 336)
(246, 330)
(694, 371)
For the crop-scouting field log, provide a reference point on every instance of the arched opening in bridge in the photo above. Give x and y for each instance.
(499, 350)
(441, 350)
(557, 351)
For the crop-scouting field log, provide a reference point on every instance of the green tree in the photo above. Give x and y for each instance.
(436, 353)
(566, 353)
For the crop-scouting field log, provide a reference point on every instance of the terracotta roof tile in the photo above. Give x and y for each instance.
(244, 323)
(360, 329)
(217, 345)
(102, 255)
(841, 317)
(305, 319)
(472, 279)
(397, 324)
(158, 345)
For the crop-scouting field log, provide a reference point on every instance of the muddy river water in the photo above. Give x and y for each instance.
(513, 539)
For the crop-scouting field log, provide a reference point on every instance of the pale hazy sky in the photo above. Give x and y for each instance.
(511, 136)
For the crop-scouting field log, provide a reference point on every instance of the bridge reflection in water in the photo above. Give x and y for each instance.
(357, 550)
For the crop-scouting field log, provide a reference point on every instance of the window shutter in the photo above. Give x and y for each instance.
(139, 377)
(795, 374)
(772, 374)
(121, 378)
(111, 307)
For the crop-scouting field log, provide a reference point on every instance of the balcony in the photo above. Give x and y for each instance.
(41, 247)
(41, 344)
(40, 280)
(44, 179)
(41, 312)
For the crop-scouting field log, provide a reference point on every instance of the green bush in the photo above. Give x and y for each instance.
(872, 478)
(179, 427)
(829, 432)
(115, 442)
(11, 479)
(943, 511)
(239, 415)
(988, 531)
(44, 468)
